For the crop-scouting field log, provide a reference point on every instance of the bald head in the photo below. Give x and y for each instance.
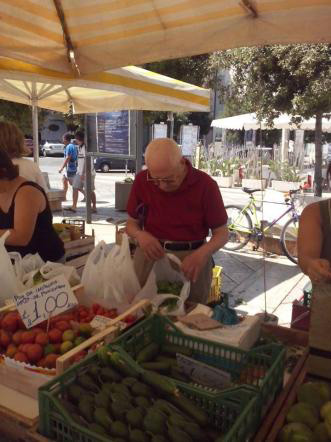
(162, 153)
(165, 164)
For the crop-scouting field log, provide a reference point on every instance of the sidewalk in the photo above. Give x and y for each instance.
(254, 282)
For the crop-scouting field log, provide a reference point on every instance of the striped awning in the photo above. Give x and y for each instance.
(129, 88)
(85, 36)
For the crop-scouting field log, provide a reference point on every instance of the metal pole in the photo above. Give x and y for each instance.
(171, 120)
(139, 140)
(35, 131)
(88, 173)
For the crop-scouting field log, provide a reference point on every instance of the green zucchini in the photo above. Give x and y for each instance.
(172, 349)
(148, 353)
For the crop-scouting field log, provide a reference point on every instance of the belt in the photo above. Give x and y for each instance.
(178, 246)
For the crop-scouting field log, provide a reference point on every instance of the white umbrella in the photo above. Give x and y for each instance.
(250, 121)
(129, 88)
(95, 35)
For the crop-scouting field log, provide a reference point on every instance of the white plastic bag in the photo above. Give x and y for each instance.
(51, 270)
(121, 283)
(162, 270)
(26, 265)
(10, 284)
(92, 277)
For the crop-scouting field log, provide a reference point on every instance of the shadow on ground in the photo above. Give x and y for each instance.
(243, 272)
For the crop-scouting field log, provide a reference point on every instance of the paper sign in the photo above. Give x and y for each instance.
(202, 373)
(100, 322)
(200, 321)
(44, 300)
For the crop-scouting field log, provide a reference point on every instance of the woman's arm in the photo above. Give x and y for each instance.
(29, 202)
(310, 240)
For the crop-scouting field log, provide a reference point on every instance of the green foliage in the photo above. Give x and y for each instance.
(284, 171)
(20, 114)
(270, 80)
(226, 167)
(194, 70)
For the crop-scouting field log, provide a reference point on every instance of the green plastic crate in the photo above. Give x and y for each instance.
(234, 414)
(270, 359)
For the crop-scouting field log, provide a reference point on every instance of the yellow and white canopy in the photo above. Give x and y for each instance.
(97, 35)
(130, 88)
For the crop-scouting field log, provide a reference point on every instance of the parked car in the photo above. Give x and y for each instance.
(108, 164)
(52, 149)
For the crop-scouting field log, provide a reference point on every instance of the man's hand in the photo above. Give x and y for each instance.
(60, 170)
(193, 263)
(150, 245)
(319, 270)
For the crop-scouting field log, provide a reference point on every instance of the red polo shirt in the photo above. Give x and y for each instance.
(186, 214)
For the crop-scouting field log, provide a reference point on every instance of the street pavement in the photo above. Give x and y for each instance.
(254, 281)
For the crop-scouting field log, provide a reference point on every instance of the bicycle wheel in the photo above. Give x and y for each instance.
(240, 228)
(288, 239)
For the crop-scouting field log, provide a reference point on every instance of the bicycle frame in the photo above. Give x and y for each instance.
(251, 207)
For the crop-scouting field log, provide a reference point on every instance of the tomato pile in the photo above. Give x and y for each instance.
(41, 347)
(86, 314)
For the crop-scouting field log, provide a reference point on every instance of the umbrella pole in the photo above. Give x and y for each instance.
(35, 131)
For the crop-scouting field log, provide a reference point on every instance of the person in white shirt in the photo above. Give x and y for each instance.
(79, 180)
(12, 141)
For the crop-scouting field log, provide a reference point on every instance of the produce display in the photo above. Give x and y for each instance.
(112, 399)
(169, 288)
(309, 419)
(43, 344)
(67, 232)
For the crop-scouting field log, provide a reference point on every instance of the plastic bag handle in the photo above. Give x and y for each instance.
(174, 259)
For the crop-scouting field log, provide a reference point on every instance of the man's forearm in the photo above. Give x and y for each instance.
(65, 163)
(218, 239)
(133, 229)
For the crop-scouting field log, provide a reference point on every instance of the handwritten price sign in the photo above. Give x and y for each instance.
(42, 301)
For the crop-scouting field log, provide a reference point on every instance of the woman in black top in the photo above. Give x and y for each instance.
(25, 212)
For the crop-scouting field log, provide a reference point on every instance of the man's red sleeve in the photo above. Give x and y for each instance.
(134, 200)
(215, 213)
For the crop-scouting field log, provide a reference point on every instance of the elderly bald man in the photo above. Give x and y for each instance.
(172, 207)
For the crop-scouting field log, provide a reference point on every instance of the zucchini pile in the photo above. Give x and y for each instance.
(163, 360)
(112, 399)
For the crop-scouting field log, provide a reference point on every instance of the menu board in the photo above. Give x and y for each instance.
(160, 130)
(113, 132)
(189, 138)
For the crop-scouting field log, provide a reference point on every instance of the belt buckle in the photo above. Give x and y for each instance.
(165, 244)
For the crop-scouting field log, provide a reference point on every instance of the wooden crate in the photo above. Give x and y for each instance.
(106, 335)
(79, 247)
(288, 398)
(319, 362)
(288, 336)
(55, 198)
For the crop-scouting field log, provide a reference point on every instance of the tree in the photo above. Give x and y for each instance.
(194, 70)
(21, 114)
(273, 79)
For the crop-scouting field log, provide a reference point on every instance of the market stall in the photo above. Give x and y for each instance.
(112, 372)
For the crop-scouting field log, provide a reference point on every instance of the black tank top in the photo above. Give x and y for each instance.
(44, 239)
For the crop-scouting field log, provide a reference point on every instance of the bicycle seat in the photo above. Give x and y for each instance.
(250, 191)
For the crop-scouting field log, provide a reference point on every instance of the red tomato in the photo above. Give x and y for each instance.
(95, 307)
(83, 314)
(129, 319)
(100, 311)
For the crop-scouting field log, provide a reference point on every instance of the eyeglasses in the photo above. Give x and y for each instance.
(157, 181)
